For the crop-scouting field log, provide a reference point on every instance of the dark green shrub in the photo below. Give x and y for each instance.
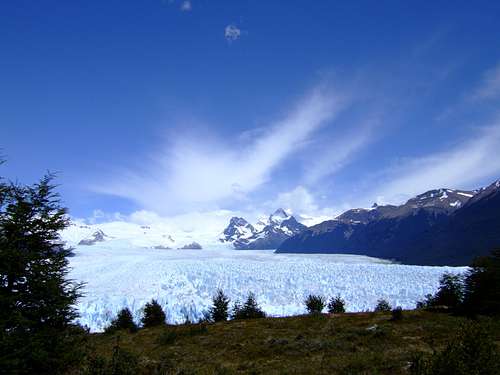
(153, 315)
(449, 296)
(427, 302)
(472, 352)
(397, 314)
(336, 305)
(482, 286)
(314, 304)
(249, 310)
(450, 292)
(382, 306)
(235, 311)
(123, 320)
(220, 307)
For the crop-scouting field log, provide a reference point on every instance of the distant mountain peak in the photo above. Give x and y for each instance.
(97, 236)
(279, 216)
(238, 228)
(238, 221)
(265, 234)
(443, 198)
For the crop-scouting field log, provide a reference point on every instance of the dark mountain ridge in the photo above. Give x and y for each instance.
(442, 226)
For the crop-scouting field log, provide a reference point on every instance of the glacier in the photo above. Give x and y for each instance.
(117, 274)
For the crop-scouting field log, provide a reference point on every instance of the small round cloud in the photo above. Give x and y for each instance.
(186, 6)
(232, 33)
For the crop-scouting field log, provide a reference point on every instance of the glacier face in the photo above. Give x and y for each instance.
(119, 275)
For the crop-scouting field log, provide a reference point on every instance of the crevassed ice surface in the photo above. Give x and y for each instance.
(183, 281)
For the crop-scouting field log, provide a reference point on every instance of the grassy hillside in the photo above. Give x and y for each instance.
(361, 343)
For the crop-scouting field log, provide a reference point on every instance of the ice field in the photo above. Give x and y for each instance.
(183, 281)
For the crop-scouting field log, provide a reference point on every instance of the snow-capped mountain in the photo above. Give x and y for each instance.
(435, 201)
(97, 236)
(267, 233)
(443, 198)
(442, 226)
(237, 228)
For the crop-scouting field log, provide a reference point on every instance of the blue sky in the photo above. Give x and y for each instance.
(181, 106)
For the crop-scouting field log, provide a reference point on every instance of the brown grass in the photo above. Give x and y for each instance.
(361, 343)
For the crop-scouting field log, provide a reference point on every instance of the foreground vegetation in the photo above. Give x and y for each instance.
(352, 343)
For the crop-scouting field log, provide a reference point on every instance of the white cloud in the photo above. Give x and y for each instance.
(198, 173)
(469, 162)
(298, 200)
(490, 85)
(186, 6)
(303, 205)
(338, 153)
(232, 33)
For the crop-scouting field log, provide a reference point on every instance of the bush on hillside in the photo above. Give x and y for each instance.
(383, 306)
(449, 295)
(153, 315)
(336, 305)
(396, 314)
(123, 320)
(249, 310)
(482, 286)
(315, 303)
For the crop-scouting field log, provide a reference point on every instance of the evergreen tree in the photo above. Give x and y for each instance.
(336, 305)
(382, 306)
(236, 310)
(219, 310)
(450, 292)
(482, 286)
(36, 298)
(249, 310)
(153, 315)
(314, 304)
(123, 320)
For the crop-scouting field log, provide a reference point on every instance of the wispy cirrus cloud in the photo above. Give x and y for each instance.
(193, 173)
(468, 162)
(489, 87)
(339, 152)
